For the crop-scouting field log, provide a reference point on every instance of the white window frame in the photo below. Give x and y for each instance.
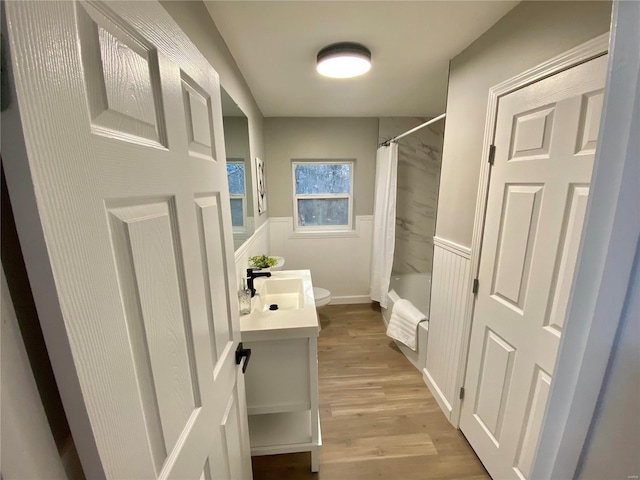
(241, 228)
(323, 196)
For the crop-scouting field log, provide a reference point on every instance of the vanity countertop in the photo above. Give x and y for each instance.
(302, 322)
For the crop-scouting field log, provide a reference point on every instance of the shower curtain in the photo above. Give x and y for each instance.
(384, 222)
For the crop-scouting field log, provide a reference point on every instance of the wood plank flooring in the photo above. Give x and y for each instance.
(378, 418)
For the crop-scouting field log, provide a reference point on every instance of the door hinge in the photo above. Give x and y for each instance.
(476, 285)
(461, 393)
(492, 154)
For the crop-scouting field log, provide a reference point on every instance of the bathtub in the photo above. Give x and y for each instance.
(415, 287)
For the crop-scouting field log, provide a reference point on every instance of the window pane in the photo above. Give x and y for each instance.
(331, 211)
(236, 212)
(235, 174)
(314, 178)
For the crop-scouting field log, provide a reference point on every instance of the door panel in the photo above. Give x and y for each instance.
(531, 134)
(515, 247)
(575, 209)
(545, 143)
(122, 125)
(591, 111)
(122, 78)
(495, 378)
(157, 315)
(537, 401)
(230, 429)
(217, 289)
(198, 115)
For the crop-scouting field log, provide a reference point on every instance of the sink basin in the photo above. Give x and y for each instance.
(295, 317)
(283, 293)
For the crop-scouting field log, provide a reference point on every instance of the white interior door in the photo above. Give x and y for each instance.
(545, 142)
(128, 241)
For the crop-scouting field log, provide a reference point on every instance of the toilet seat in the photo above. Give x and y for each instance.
(321, 296)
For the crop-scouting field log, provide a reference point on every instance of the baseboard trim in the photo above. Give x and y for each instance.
(350, 299)
(437, 394)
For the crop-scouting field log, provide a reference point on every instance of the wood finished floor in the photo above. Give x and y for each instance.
(378, 418)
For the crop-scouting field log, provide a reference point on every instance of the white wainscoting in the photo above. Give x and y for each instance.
(339, 262)
(256, 244)
(450, 290)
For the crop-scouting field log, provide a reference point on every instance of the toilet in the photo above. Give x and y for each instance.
(321, 296)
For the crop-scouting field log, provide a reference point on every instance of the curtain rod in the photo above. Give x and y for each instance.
(414, 129)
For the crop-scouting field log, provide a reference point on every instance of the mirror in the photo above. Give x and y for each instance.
(236, 140)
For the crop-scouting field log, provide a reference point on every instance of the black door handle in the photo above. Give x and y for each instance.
(240, 353)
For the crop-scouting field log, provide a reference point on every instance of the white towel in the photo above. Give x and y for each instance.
(403, 325)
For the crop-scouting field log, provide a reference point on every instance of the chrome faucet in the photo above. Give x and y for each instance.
(254, 273)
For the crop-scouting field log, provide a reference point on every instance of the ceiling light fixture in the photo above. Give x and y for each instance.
(344, 60)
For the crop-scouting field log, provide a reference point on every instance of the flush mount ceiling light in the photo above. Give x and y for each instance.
(344, 60)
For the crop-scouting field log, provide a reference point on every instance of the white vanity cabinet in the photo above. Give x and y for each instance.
(282, 378)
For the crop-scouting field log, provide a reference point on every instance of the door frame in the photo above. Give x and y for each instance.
(581, 54)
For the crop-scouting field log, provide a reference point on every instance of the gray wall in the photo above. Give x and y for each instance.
(194, 19)
(235, 137)
(319, 138)
(528, 35)
(611, 450)
(28, 447)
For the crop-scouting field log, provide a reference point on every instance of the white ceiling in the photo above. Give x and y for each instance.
(275, 44)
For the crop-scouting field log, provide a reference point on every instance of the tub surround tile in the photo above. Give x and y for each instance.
(419, 162)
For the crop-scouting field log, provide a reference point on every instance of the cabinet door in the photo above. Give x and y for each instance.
(279, 377)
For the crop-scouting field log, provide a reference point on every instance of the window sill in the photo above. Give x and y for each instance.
(325, 234)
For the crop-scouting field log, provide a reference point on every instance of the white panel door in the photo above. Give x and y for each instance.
(545, 144)
(122, 127)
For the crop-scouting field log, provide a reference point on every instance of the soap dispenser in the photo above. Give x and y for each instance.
(244, 298)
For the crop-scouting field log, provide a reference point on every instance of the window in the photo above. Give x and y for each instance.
(323, 195)
(237, 189)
